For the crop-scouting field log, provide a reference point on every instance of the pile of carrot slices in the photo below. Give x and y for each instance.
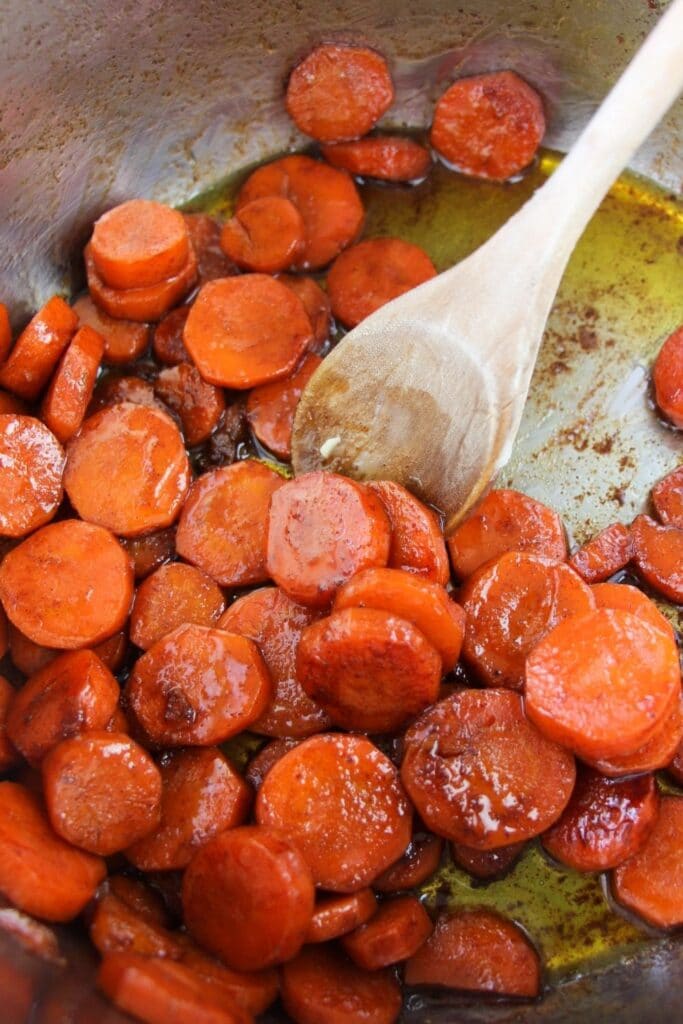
(410, 699)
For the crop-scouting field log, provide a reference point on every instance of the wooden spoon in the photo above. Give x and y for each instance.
(429, 390)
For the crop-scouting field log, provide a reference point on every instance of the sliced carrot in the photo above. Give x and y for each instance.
(139, 243)
(72, 385)
(202, 795)
(602, 683)
(337, 915)
(149, 302)
(261, 763)
(650, 883)
(31, 469)
(150, 552)
(224, 523)
(27, 656)
(323, 529)
(321, 986)
(38, 348)
(477, 951)
(658, 556)
(339, 92)
(9, 755)
(417, 864)
(372, 273)
(128, 470)
(503, 521)
(167, 340)
(40, 873)
(629, 599)
(124, 340)
(271, 407)
(479, 773)
(139, 897)
(607, 553)
(511, 604)
(316, 304)
(656, 753)
(326, 198)
(393, 934)
(417, 543)
(423, 603)
(5, 333)
(486, 864)
(68, 585)
(668, 378)
(116, 927)
(198, 687)
(489, 126)
(667, 496)
(275, 623)
(253, 990)
(385, 157)
(113, 390)
(172, 596)
(198, 404)
(246, 330)
(340, 800)
(265, 235)
(205, 236)
(72, 694)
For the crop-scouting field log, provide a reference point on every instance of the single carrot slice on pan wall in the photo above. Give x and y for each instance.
(658, 556)
(667, 496)
(607, 553)
(139, 243)
(668, 378)
(31, 468)
(38, 348)
(67, 398)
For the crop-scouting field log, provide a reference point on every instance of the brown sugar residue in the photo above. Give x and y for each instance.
(603, 447)
(588, 339)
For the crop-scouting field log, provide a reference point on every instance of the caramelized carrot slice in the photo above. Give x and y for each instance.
(271, 407)
(124, 340)
(9, 755)
(38, 348)
(167, 340)
(139, 897)
(28, 657)
(385, 157)
(174, 595)
(261, 763)
(667, 376)
(68, 585)
(5, 333)
(607, 553)
(253, 990)
(337, 915)
(372, 273)
(340, 800)
(667, 496)
(417, 543)
(630, 599)
(653, 755)
(31, 469)
(265, 235)
(198, 404)
(205, 236)
(316, 304)
(658, 556)
(149, 302)
(486, 864)
(650, 883)
(71, 388)
(139, 243)
(114, 390)
(503, 521)
(150, 552)
(417, 864)
(396, 932)
(116, 927)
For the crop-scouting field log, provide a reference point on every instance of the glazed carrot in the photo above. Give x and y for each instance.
(667, 376)
(253, 990)
(321, 986)
(37, 350)
(339, 92)
(31, 469)
(385, 157)
(489, 126)
(172, 596)
(503, 521)
(667, 497)
(197, 687)
(148, 302)
(396, 932)
(630, 599)
(417, 543)
(417, 864)
(340, 800)
(511, 604)
(337, 915)
(116, 927)
(658, 556)
(246, 330)
(223, 525)
(607, 553)
(139, 897)
(656, 753)
(72, 385)
(505, 781)
(72, 694)
(205, 236)
(28, 657)
(139, 243)
(326, 198)
(5, 333)
(486, 864)
(323, 529)
(202, 795)
(40, 873)
(248, 898)
(271, 407)
(113, 390)
(124, 340)
(651, 882)
(423, 603)
(127, 470)
(275, 623)
(198, 404)
(167, 340)
(372, 273)
(265, 235)
(477, 951)
(68, 585)
(118, 722)
(9, 755)
(316, 304)
(261, 763)
(602, 683)
(150, 552)
(12, 404)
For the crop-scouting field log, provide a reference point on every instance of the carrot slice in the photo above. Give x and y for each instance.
(511, 604)
(337, 915)
(68, 585)
(341, 801)
(31, 851)
(489, 126)
(205, 236)
(172, 596)
(260, 765)
(321, 986)
(667, 496)
(385, 157)
(503, 521)
(198, 404)
(28, 657)
(481, 774)
(656, 753)
(668, 378)
(167, 340)
(486, 864)
(31, 469)
(253, 990)
(9, 755)
(124, 340)
(139, 897)
(658, 556)
(149, 302)
(150, 552)
(372, 273)
(38, 348)
(198, 687)
(396, 932)
(651, 882)
(417, 543)
(326, 198)
(417, 864)
(275, 623)
(629, 599)
(316, 304)
(477, 951)
(5, 333)
(116, 927)
(271, 407)
(323, 529)
(602, 683)
(71, 387)
(607, 553)
(265, 235)
(339, 92)
(128, 470)
(248, 898)
(369, 670)
(139, 243)
(223, 526)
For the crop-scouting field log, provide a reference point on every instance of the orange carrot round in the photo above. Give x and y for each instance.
(417, 542)
(139, 243)
(198, 404)
(668, 378)
(31, 469)
(630, 599)
(271, 407)
(38, 348)
(175, 595)
(393, 934)
(150, 552)
(650, 883)
(337, 915)
(316, 304)
(658, 556)
(607, 553)
(261, 763)
(384, 157)
(148, 302)
(124, 340)
(667, 497)
(417, 864)
(71, 387)
(654, 754)
(9, 755)
(167, 340)
(486, 865)
(205, 236)
(265, 235)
